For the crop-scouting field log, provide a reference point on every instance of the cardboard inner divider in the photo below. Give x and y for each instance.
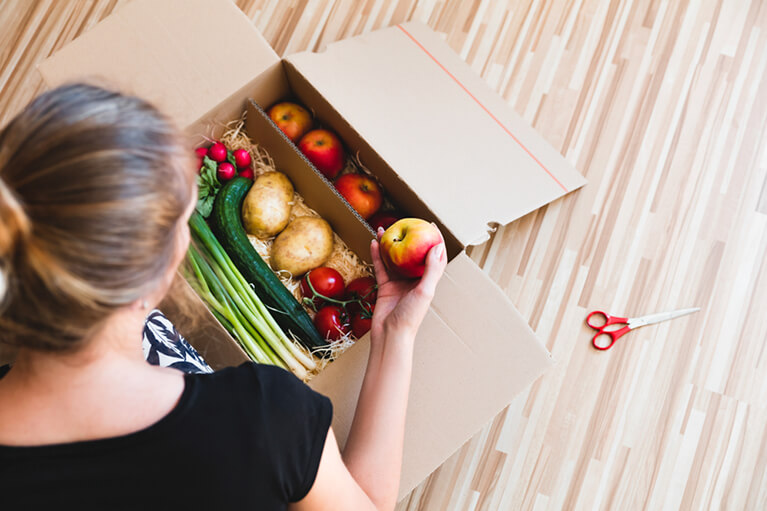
(318, 193)
(406, 201)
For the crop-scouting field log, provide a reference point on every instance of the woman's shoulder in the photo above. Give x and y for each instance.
(267, 385)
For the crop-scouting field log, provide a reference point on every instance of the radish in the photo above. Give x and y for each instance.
(217, 152)
(247, 173)
(201, 153)
(241, 158)
(225, 171)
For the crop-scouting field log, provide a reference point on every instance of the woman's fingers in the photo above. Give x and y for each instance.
(378, 265)
(436, 261)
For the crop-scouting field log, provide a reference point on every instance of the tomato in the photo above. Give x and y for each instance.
(361, 321)
(363, 288)
(332, 322)
(326, 281)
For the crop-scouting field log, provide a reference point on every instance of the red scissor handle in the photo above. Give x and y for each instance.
(603, 320)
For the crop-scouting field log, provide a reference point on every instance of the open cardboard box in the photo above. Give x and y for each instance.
(443, 144)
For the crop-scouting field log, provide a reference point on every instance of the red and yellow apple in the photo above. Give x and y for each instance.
(405, 245)
(324, 150)
(294, 120)
(362, 192)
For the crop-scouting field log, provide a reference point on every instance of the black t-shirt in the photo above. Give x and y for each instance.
(249, 437)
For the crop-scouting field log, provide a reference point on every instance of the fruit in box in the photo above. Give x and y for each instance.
(383, 219)
(326, 282)
(292, 119)
(362, 192)
(362, 288)
(405, 245)
(332, 322)
(324, 150)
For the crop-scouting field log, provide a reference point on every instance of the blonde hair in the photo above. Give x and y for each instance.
(93, 184)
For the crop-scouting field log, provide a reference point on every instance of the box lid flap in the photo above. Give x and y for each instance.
(454, 140)
(185, 56)
(473, 354)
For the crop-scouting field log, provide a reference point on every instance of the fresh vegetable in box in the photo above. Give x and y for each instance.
(362, 320)
(361, 291)
(306, 243)
(217, 152)
(226, 171)
(237, 306)
(320, 283)
(332, 322)
(266, 208)
(228, 228)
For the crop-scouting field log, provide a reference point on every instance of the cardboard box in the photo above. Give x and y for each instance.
(444, 145)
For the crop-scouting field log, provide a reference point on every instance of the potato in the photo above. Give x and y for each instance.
(266, 208)
(306, 243)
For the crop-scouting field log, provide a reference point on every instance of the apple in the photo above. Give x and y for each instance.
(383, 219)
(362, 192)
(324, 150)
(405, 245)
(292, 119)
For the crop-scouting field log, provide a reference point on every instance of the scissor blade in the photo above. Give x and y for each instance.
(661, 316)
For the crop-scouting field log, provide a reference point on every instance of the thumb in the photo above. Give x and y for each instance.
(436, 261)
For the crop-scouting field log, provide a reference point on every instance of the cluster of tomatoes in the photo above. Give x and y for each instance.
(340, 309)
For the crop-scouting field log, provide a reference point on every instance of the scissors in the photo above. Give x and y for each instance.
(602, 320)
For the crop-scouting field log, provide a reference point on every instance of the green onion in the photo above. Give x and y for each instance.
(237, 306)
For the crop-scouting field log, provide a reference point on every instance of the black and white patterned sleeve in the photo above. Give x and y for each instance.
(164, 346)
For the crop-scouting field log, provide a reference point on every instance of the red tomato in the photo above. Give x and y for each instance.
(363, 288)
(326, 281)
(361, 321)
(332, 322)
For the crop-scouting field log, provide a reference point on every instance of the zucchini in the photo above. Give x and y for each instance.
(227, 226)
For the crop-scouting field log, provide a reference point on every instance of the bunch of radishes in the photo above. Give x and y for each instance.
(228, 163)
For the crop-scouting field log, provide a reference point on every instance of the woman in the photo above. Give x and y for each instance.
(95, 193)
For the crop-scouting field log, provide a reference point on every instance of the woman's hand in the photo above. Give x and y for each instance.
(402, 304)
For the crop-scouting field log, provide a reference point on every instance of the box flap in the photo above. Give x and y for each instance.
(474, 353)
(454, 140)
(183, 55)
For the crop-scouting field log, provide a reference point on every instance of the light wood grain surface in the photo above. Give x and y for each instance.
(662, 105)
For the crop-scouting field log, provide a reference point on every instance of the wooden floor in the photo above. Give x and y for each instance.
(663, 106)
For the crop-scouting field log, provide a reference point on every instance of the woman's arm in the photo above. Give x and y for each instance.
(373, 454)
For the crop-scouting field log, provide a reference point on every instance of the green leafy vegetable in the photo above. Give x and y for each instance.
(207, 186)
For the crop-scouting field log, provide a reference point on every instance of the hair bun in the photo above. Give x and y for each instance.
(14, 224)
